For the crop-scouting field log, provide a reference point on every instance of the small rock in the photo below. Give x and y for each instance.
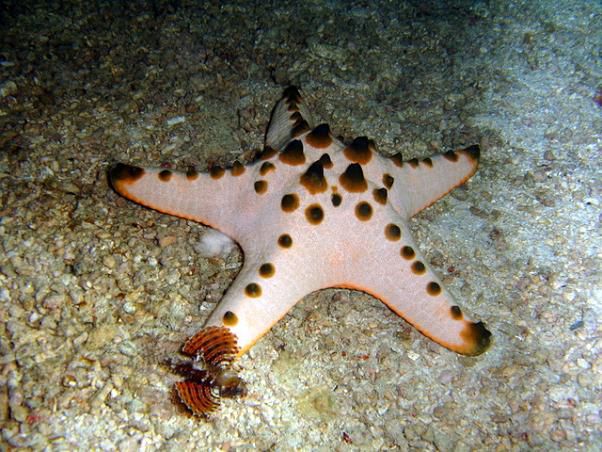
(8, 88)
(167, 240)
(70, 187)
(213, 244)
(549, 155)
(19, 413)
(101, 395)
(53, 301)
(175, 121)
(129, 308)
(109, 261)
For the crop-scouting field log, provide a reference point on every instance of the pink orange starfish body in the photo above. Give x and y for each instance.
(310, 213)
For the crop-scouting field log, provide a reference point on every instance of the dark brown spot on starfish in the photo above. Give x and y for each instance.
(428, 162)
(237, 168)
(380, 195)
(314, 214)
(192, 173)
(296, 117)
(165, 175)
(325, 161)
(125, 174)
(299, 128)
(388, 180)
(319, 137)
(359, 150)
(285, 241)
(291, 94)
(313, 179)
(267, 153)
(413, 163)
(477, 336)
(418, 268)
(216, 172)
(261, 187)
(353, 180)
(293, 153)
(473, 152)
(266, 167)
(392, 232)
(253, 290)
(407, 252)
(267, 270)
(397, 159)
(230, 319)
(433, 288)
(456, 313)
(363, 211)
(336, 199)
(451, 156)
(289, 202)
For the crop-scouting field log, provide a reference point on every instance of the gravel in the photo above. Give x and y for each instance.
(96, 293)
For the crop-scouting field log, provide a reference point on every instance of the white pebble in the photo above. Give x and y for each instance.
(129, 308)
(213, 243)
(175, 120)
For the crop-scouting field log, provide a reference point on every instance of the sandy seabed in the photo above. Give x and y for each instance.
(96, 292)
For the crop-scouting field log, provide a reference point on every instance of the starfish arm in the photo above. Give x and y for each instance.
(418, 184)
(201, 197)
(262, 293)
(309, 213)
(413, 291)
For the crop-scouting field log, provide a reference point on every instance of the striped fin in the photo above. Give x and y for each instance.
(215, 345)
(198, 397)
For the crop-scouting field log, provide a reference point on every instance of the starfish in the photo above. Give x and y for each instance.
(310, 212)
